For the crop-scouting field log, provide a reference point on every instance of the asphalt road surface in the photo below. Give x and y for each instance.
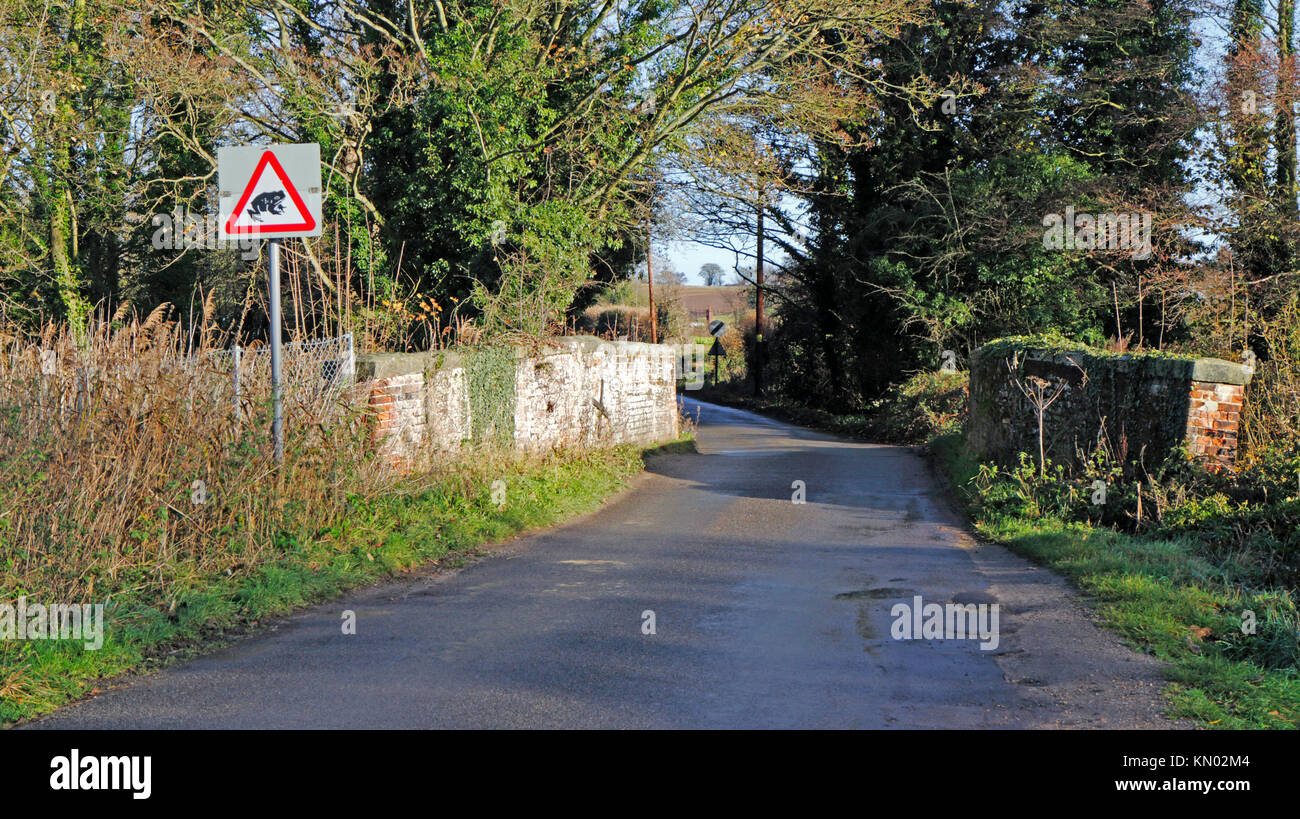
(767, 614)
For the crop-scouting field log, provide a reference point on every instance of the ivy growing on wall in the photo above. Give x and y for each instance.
(490, 375)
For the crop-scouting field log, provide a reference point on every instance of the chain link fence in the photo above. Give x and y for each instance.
(314, 373)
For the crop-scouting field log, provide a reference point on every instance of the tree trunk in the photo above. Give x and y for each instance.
(1284, 134)
(62, 221)
(758, 303)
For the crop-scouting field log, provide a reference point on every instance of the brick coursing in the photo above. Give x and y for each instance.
(1213, 421)
(581, 392)
(397, 405)
(1139, 407)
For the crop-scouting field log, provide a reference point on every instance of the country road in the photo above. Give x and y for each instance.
(768, 614)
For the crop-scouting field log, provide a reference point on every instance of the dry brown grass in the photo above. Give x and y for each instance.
(615, 321)
(102, 443)
(1271, 414)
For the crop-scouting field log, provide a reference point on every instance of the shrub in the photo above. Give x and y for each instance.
(923, 407)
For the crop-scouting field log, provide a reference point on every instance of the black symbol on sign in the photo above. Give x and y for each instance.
(270, 202)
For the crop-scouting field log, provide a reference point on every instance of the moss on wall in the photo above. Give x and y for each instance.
(1134, 405)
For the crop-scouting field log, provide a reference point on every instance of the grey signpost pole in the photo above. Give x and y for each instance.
(277, 388)
(270, 192)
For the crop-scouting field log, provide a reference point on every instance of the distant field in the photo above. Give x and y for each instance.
(698, 298)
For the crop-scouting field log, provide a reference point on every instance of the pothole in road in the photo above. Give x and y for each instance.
(976, 597)
(879, 593)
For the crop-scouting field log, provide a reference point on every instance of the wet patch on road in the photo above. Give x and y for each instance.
(864, 628)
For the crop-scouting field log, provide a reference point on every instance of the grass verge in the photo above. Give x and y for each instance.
(1167, 598)
(432, 519)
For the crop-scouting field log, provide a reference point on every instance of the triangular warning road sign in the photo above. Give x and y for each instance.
(269, 203)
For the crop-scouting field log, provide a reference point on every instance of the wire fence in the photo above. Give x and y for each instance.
(313, 373)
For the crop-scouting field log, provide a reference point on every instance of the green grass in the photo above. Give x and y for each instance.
(429, 521)
(1168, 599)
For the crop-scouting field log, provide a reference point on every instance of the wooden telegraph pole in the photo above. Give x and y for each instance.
(650, 282)
(758, 302)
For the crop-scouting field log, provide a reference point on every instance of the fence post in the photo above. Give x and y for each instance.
(351, 359)
(234, 376)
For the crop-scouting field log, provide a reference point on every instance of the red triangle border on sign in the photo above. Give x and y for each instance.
(268, 158)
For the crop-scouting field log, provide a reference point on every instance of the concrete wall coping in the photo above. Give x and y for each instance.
(388, 365)
(1209, 370)
(589, 344)
(1219, 371)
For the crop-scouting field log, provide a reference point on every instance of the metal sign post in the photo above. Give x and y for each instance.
(716, 329)
(716, 351)
(277, 385)
(270, 192)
